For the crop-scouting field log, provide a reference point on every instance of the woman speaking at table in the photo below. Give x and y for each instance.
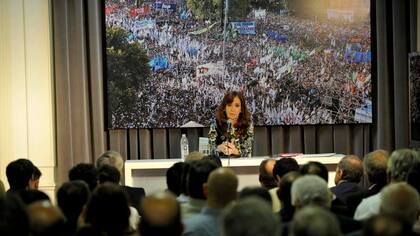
(232, 133)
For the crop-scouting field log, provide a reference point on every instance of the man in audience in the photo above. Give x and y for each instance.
(85, 172)
(161, 215)
(312, 190)
(257, 191)
(174, 177)
(314, 220)
(198, 173)
(45, 219)
(347, 177)
(266, 173)
(110, 174)
(281, 167)
(71, 198)
(402, 201)
(113, 158)
(315, 168)
(374, 165)
(384, 225)
(108, 210)
(399, 164)
(284, 194)
(30, 196)
(14, 220)
(220, 190)
(250, 217)
(22, 174)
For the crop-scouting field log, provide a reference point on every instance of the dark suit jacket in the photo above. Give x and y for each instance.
(135, 195)
(353, 200)
(345, 189)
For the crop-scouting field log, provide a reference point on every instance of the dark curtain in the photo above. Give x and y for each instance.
(80, 130)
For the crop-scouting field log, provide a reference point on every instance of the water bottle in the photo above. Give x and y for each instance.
(184, 147)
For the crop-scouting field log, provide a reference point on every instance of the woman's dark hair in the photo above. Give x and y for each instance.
(244, 117)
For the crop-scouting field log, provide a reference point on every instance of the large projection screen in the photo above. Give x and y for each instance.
(298, 62)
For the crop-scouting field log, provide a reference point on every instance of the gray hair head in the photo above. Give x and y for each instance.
(311, 189)
(400, 200)
(313, 221)
(400, 162)
(250, 217)
(111, 158)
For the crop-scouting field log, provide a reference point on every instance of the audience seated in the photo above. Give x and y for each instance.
(282, 167)
(413, 179)
(315, 168)
(399, 164)
(110, 174)
(45, 219)
(259, 192)
(215, 159)
(266, 174)
(220, 190)
(161, 215)
(402, 201)
(71, 198)
(312, 190)
(313, 221)
(174, 178)
(194, 156)
(198, 173)
(347, 177)
(284, 194)
(32, 195)
(85, 172)
(374, 165)
(113, 158)
(14, 220)
(250, 217)
(385, 225)
(108, 210)
(22, 174)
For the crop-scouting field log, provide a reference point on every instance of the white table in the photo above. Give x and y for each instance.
(151, 174)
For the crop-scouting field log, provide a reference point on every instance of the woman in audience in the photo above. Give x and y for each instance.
(232, 133)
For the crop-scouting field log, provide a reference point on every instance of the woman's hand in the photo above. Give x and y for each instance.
(232, 149)
(223, 148)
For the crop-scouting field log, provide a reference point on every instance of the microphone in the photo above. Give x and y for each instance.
(229, 128)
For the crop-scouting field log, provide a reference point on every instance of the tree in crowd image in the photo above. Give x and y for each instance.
(295, 61)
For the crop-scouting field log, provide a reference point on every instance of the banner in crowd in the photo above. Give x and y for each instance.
(159, 63)
(260, 14)
(210, 69)
(277, 37)
(355, 56)
(145, 24)
(364, 114)
(203, 30)
(165, 6)
(244, 27)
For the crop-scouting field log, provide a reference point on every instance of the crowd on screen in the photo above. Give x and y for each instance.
(374, 195)
(302, 78)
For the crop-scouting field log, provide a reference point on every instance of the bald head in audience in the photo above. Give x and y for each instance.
(400, 200)
(221, 187)
(314, 220)
(45, 219)
(266, 177)
(350, 168)
(160, 215)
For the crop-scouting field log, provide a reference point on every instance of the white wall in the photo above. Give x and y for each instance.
(26, 87)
